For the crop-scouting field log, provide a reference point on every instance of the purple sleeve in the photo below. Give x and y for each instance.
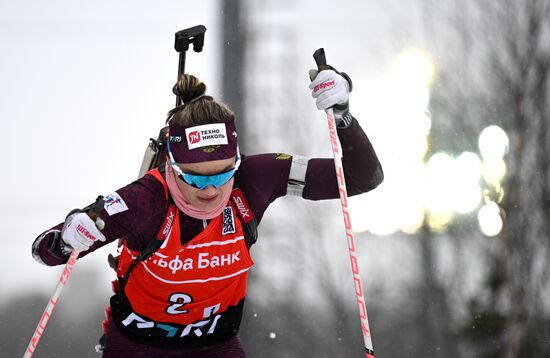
(146, 205)
(264, 177)
(362, 170)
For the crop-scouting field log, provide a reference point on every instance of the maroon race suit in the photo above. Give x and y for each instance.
(262, 178)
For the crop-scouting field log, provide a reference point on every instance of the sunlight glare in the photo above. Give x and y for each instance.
(415, 66)
(467, 173)
(439, 176)
(392, 110)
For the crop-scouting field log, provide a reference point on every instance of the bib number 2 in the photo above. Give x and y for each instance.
(178, 301)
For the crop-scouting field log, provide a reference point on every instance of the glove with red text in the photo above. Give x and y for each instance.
(331, 88)
(80, 232)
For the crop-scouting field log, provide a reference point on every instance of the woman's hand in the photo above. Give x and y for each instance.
(79, 232)
(331, 88)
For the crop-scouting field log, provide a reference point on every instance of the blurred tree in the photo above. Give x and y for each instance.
(498, 73)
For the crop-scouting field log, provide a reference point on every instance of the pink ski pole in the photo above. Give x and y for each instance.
(321, 61)
(93, 213)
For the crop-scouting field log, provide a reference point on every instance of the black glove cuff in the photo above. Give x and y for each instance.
(345, 120)
(58, 248)
(342, 116)
(66, 249)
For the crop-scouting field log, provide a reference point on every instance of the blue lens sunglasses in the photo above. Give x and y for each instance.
(203, 181)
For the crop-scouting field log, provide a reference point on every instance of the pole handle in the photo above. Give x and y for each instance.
(320, 59)
(95, 210)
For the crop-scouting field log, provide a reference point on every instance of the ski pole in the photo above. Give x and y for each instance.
(321, 62)
(93, 214)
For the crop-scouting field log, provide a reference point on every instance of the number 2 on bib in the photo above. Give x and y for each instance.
(178, 300)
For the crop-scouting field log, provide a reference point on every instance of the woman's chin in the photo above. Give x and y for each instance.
(208, 204)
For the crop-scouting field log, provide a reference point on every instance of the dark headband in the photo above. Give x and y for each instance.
(213, 141)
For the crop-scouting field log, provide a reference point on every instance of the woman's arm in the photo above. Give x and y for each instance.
(362, 170)
(266, 177)
(133, 212)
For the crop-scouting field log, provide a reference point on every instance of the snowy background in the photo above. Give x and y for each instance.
(452, 246)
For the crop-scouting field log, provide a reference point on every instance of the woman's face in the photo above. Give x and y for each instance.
(209, 197)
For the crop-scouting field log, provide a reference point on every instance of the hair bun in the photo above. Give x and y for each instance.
(189, 87)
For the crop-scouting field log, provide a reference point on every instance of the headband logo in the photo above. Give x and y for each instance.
(206, 135)
(194, 137)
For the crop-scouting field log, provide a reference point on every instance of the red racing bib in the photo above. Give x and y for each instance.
(187, 283)
(187, 293)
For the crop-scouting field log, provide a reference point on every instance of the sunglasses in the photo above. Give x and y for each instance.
(203, 181)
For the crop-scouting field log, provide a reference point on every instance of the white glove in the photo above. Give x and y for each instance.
(80, 232)
(328, 88)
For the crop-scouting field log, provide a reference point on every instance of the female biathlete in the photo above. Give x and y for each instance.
(186, 227)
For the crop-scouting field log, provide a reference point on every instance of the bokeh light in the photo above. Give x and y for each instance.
(490, 220)
(452, 184)
(467, 174)
(418, 189)
(493, 143)
(439, 177)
